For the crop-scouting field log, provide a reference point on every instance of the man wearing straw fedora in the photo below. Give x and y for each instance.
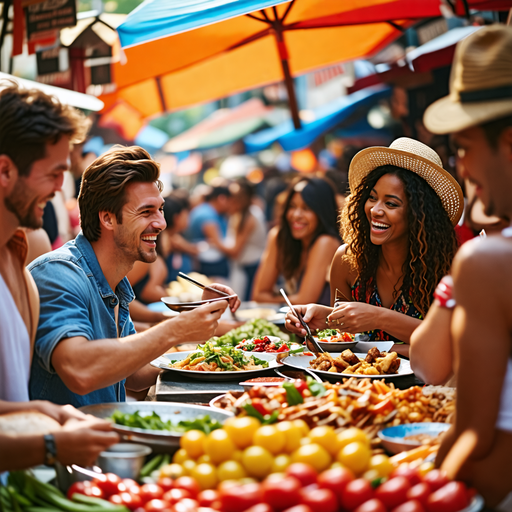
(478, 114)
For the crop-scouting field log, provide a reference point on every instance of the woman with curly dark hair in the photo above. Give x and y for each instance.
(397, 225)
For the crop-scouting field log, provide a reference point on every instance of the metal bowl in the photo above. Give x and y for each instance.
(123, 459)
(159, 440)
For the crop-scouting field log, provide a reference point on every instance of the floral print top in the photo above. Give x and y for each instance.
(401, 305)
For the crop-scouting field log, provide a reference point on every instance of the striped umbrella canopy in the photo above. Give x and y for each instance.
(179, 53)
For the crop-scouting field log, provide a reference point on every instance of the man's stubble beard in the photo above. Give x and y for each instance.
(17, 201)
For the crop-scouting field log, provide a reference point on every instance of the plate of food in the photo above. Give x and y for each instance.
(157, 424)
(210, 362)
(375, 364)
(333, 340)
(271, 344)
(405, 437)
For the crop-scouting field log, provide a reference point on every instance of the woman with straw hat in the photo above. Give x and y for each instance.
(399, 242)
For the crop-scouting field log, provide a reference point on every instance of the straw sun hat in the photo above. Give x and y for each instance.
(414, 156)
(480, 82)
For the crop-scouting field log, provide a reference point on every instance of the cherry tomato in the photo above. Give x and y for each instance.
(207, 498)
(281, 493)
(419, 492)
(304, 473)
(175, 495)
(373, 505)
(436, 479)
(408, 472)
(299, 508)
(187, 483)
(240, 497)
(410, 506)
(157, 505)
(129, 500)
(393, 492)
(186, 505)
(321, 500)
(128, 482)
(356, 493)
(336, 480)
(87, 488)
(450, 498)
(109, 484)
(260, 507)
(150, 492)
(115, 499)
(166, 483)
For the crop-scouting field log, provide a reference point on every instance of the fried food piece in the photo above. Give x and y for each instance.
(385, 363)
(372, 355)
(324, 366)
(349, 357)
(353, 368)
(341, 363)
(394, 366)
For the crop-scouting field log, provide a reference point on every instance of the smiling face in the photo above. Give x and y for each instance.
(386, 211)
(30, 194)
(142, 221)
(489, 169)
(301, 218)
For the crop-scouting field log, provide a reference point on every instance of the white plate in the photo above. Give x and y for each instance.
(244, 374)
(364, 346)
(301, 362)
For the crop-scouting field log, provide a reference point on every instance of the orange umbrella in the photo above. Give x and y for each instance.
(252, 50)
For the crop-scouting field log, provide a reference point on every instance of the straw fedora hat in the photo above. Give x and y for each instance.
(480, 82)
(414, 156)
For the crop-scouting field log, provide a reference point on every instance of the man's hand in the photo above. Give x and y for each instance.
(313, 314)
(80, 442)
(60, 413)
(234, 303)
(199, 324)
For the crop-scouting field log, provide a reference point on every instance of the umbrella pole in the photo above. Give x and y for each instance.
(288, 79)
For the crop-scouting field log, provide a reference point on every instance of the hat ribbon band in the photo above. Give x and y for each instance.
(497, 93)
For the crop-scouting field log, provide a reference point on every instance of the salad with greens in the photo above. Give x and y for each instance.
(154, 422)
(212, 358)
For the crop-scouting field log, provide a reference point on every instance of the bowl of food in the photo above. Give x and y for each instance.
(171, 303)
(411, 435)
(333, 340)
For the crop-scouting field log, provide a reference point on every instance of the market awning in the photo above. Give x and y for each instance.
(222, 127)
(75, 99)
(325, 118)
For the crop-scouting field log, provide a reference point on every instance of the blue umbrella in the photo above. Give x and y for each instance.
(326, 117)
(158, 18)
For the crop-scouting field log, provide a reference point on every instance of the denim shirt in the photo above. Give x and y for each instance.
(76, 300)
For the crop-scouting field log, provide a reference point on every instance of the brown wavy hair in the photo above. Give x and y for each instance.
(432, 239)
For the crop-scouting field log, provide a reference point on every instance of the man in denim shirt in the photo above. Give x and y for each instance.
(87, 350)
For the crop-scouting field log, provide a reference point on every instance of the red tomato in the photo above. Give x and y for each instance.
(150, 492)
(356, 493)
(109, 484)
(336, 480)
(115, 499)
(410, 506)
(419, 492)
(129, 500)
(130, 483)
(186, 505)
(321, 500)
(393, 492)
(87, 488)
(175, 495)
(373, 505)
(436, 479)
(240, 497)
(166, 483)
(187, 483)
(281, 493)
(207, 498)
(260, 507)
(450, 498)
(409, 472)
(157, 505)
(304, 473)
(299, 508)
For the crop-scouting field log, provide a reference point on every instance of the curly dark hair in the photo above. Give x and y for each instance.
(432, 239)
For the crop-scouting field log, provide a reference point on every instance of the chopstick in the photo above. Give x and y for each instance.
(202, 286)
(309, 336)
(209, 288)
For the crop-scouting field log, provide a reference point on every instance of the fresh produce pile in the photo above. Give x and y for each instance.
(154, 422)
(363, 403)
(253, 329)
(209, 357)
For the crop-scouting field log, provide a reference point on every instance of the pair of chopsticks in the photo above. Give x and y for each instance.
(205, 287)
(309, 337)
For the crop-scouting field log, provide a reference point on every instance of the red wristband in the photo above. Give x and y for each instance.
(443, 293)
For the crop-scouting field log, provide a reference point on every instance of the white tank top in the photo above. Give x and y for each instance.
(14, 349)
